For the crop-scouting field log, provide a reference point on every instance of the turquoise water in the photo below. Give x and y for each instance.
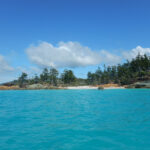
(75, 120)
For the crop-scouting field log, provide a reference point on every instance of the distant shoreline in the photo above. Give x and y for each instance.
(75, 87)
(60, 88)
(91, 87)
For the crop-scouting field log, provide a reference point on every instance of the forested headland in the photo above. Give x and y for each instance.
(130, 72)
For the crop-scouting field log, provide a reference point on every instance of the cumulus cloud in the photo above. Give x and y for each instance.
(6, 71)
(135, 51)
(30, 70)
(4, 66)
(109, 58)
(70, 54)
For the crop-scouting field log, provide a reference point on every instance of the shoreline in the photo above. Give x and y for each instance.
(83, 87)
(87, 87)
(91, 87)
(80, 87)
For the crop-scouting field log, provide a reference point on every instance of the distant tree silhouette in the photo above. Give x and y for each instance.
(22, 80)
(68, 76)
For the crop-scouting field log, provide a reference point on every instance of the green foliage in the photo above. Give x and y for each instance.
(36, 79)
(50, 76)
(44, 75)
(138, 69)
(68, 77)
(127, 73)
(22, 81)
(53, 76)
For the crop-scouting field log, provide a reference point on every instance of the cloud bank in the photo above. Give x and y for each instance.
(4, 66)
(6, 71)
(135, 51)
(70, 54)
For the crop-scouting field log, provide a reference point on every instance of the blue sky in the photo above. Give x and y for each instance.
(109, 28)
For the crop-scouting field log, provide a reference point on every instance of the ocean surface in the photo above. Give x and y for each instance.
(75, 119)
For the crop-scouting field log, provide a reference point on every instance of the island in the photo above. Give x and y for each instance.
(130, 74)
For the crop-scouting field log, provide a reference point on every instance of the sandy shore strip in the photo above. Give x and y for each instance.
(81, 87)
(90, 87)
(114, 87)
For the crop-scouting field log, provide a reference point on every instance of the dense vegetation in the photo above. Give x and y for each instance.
(138, 69)
(50, 77)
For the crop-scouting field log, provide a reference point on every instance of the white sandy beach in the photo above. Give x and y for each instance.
(81, 87)
(91, 87)
(114, 87)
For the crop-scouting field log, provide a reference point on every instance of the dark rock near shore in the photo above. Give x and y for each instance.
(143, 84)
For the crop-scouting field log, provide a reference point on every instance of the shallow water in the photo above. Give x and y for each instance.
(75, 120)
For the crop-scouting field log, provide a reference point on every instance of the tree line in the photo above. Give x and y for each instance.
(48, 76)
(138, 69)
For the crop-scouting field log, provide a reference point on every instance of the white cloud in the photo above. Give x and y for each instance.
(6, 71)
(70, 54)
(31, 70)
(134, 52)
(109, 58)
(4, 66)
